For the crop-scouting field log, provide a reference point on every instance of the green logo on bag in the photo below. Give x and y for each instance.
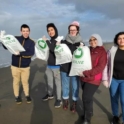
(42, 44)
(78, 53)
(57, 47)
(7, 38)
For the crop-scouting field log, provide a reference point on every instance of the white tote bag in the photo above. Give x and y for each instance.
(41, 49)
(12, 44)
(63, 54)
(81, 61)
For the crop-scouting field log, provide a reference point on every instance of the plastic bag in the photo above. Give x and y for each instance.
(11, 43)
(63, 54)
(81, 61)
(41, 49)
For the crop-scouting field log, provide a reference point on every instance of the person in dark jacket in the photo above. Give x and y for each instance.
(53, 70)
(20, 66)
(72, 40)
(91, 79)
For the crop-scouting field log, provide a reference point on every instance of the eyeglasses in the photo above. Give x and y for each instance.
(92, 39)
(73, 30)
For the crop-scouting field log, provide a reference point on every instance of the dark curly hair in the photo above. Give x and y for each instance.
(116, 37)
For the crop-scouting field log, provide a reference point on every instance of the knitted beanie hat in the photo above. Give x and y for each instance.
(75, 23)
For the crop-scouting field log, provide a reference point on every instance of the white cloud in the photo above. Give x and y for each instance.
(94, 16)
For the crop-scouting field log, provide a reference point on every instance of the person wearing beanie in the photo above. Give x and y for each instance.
(72, 40)
(114, 78)
(53, 70)
(91, 79)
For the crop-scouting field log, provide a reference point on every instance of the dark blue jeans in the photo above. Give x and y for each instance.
(116, 91)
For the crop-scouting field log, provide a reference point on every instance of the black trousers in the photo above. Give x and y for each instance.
(87, 98)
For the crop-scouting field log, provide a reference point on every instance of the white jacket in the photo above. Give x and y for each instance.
(108, 71)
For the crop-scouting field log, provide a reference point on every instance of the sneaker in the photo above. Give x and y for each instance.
(47, 97)
(18, 100)
(86, 122)
(58, 103)
(73, 107)
(28, 99)
(115, 120)
(65, 104)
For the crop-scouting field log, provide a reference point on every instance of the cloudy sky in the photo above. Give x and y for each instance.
(95, 16)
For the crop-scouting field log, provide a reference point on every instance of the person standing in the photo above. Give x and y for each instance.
(91, 79)
(53, 70)
(20, 66)
(113, 76)
(72, 40)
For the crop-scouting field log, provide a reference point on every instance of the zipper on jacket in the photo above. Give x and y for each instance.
(20, 56)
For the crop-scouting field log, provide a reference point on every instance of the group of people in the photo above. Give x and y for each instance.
(107, 67)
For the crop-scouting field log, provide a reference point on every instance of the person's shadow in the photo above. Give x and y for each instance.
(41, 113)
